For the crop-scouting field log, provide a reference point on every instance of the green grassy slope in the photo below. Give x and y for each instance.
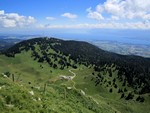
(15, 96)
(112, 99)
(89, 91)
(29, 76)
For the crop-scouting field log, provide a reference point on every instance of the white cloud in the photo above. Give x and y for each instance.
(111, 25)
(124, 9)
(99, 8)
(94, 15)
(2, 12)
(69, 15)
(114, 17)
(10, 20)
(50, 18)
(30, 20)
(8, 23)
(129, 9)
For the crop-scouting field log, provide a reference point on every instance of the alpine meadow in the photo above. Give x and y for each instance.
(73, 56)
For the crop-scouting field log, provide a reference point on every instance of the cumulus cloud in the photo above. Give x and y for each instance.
(126, 9)
(69, 15)
(94, 14)
(50, 18)
(10, 20)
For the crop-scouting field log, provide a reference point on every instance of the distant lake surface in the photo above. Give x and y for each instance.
(124, 36)
(128, 40)
(117, 39)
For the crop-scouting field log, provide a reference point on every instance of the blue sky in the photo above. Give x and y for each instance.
(77, 18)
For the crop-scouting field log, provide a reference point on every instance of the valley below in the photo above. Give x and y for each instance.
(124, 48)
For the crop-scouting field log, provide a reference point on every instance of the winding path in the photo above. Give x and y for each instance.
(74, 75)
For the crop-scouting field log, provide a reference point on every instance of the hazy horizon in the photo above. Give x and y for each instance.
(118, 20)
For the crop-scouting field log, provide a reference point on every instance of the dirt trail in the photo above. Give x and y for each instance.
(74, 75)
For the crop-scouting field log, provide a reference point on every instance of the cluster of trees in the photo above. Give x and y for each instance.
(111, 84)
(140, 99)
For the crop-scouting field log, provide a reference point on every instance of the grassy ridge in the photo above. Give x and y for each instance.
(90, 91)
